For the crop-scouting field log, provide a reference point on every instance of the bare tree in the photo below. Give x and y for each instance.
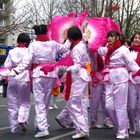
(129, 18)
(42, 11)
(13, 20)
(125, 12)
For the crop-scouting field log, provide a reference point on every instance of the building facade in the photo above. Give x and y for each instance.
(6, 8)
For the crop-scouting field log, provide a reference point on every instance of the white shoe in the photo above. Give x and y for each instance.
(96, 126)
(122, 136)
(55, 106)
(51, 107)
(42, 134)
(132, 132)
(127, 136)
(23, 126)
(109, 125)
(79, 135)
(15, 130)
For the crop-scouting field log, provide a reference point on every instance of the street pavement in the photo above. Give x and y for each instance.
(56, 131)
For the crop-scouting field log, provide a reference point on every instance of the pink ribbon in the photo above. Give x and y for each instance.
(106, 77)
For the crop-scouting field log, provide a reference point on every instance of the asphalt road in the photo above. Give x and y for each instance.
(56, 132)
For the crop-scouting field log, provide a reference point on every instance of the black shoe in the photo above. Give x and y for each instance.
(23, 126)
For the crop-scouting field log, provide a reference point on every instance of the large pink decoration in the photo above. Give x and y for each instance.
(95, 33)
(4, 71)
(58, 27)
(97, 29)
(81, 19)
(111, 24)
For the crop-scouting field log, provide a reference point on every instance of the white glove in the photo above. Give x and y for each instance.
(68, 69)
(12, 73)
(61, 71)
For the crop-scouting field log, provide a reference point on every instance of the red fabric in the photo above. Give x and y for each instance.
(95, 78)
(137, 48)
(66, 61)
(136, 74)
(47, 68)
(16, 72)
(111, 49)
(75, 43)
(93, 50)
(42, 37)
(100, 63)
(68, 76)
(138, 59)
(68, 85)
(22, 45)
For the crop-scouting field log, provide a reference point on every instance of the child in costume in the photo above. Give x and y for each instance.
(18, 90)
(41, 52)
(55, 93)
(56, 89)
(77, 79)
(134, 87)
(116, 76)
(97, 92)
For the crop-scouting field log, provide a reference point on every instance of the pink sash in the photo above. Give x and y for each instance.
(105, 72)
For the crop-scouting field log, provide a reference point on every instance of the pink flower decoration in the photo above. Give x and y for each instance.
(58, 27)
(95, 33)
(98, 29)
(81, 18)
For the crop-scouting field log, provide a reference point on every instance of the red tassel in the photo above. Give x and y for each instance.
(68, 85)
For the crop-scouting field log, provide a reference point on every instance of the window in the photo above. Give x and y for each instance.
(1, 5)
(1, 22)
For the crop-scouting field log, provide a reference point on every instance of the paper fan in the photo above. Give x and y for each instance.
(79, 21)
(98, 29)
(4, 71)
(111, 24)
(95, 33)
(58, 27)
(108, 23)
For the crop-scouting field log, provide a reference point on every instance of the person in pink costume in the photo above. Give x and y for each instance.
(63, 118)
(18, 90)
(41, 52)
(77, 103)
(97, 92)
(134, 87)
(116, 77)
(55, 94)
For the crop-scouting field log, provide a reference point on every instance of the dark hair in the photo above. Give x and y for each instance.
(132, 38)
(114, 33)
(24, 38)
(74, 33)
(128, 42)
(40, 29)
